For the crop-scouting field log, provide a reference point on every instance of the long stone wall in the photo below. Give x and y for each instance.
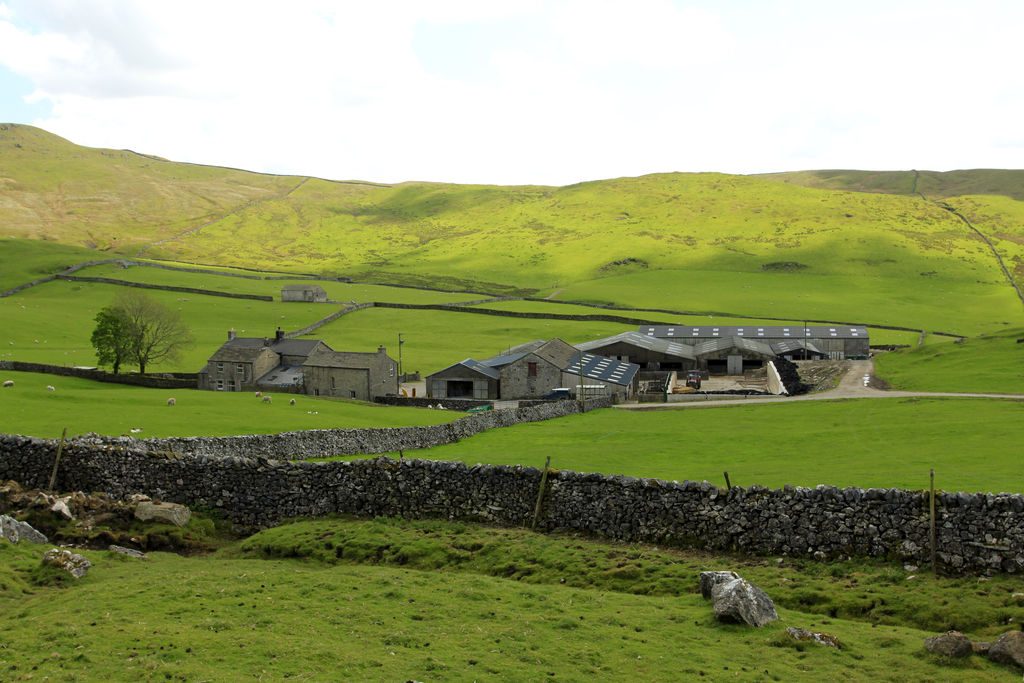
(168, 380)
(976, 533)
(322, 443)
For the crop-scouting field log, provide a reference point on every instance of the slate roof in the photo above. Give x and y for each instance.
(754, 331)
(665, 346)
(341, 359)
(235, 354)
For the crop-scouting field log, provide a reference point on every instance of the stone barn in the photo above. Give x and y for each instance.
(304, 292)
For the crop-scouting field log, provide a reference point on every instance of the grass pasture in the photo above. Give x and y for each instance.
(330, 599)
(990, 363)
(85, 406)
(971, 443)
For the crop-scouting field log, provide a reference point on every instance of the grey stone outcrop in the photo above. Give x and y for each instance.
(950, 644)
(168, 513)
(1008, 649)
(711, 580)
(15, 531)
(978, 533)
(72, 563)
(740, 601)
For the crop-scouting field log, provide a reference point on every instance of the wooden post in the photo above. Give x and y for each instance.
(60, 449)
(727, 484)
(932, 517)
(540, 494)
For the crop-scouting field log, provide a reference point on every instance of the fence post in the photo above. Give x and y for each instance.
(932, 518)
(540, 494)
(60, 449)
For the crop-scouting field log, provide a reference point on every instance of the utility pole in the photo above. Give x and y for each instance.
(583, 390)
(399, 378)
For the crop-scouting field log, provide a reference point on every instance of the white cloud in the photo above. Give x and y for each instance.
(559, 91)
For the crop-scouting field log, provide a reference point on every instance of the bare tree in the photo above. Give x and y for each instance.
(153, 331)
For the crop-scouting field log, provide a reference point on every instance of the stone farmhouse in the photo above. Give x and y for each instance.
(302, 366)
(730, 349)
(534, 370)
(303, 292)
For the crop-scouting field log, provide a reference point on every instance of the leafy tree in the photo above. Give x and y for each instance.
(145, 330)
(110, 338)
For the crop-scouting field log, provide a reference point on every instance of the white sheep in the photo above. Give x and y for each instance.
(9, 383)
(49, 387)
(291, 402)
(268, 399)
(135, 430)
(258, 394)
(171, 401)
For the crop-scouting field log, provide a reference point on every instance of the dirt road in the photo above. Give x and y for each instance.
(854, 384)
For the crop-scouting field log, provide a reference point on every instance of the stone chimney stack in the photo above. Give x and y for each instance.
(279, 336)
(381, 349)
(231, 334)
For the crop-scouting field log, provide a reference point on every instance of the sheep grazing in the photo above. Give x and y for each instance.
(291, 402)
(171, 401)
(258, 394)
(268, 399)
(9, 383)
(49, 387)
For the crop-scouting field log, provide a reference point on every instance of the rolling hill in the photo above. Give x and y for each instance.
(838, 245)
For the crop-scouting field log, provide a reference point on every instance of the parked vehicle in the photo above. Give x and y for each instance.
(693, 380)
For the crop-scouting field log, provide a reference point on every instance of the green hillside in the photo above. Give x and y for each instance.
(853, 246)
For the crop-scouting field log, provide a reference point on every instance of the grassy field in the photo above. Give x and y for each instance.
(989, 363)
(330, 599)
(829, 245)
(971, 444)
(85, 406)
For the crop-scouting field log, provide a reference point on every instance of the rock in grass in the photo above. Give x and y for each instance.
(130, 552)
(741, 601)
(72, 563)
(950, 644)
(15, 531)
(803, 636)
(171, 513)
(1008, 649)
(708, 581)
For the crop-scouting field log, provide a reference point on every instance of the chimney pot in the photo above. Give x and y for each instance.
(231, 334)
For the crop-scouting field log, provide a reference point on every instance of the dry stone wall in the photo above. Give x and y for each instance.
(977, 533)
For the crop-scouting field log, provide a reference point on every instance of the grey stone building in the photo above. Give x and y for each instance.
(533, 370)
(303, 292)
(298, 366)
(350, 374)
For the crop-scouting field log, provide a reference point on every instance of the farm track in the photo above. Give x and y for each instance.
(855, 383)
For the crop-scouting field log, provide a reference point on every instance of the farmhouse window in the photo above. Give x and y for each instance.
(531, 370)
(220, 385)
(352, 393)
(239, 368)
(220, 367)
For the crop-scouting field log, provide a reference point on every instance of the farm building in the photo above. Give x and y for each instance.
(297, 366)
(837, 342)
(303, 292)
(650, 353)
(350, 374)
(533, 370)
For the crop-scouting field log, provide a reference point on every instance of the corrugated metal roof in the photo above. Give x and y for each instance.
(754, 331)
(724, 343)
(604, 369)
(503, 359)
(477, 366)
(666, 346)
(795, 345)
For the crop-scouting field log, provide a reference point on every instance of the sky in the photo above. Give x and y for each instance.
(546, 92)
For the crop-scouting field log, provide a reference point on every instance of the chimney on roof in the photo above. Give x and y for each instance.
(279, 335)
(266, 341)
(231, 334)
(381, 349)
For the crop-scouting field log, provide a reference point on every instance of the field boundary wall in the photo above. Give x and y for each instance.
(977, 533)
(176, 380)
